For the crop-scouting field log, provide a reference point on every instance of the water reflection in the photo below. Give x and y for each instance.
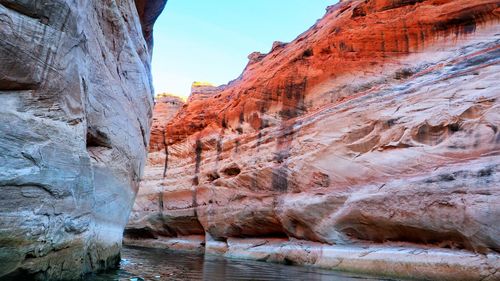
(154, 264)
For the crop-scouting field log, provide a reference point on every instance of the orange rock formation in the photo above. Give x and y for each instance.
(376, 131)
(166, 107)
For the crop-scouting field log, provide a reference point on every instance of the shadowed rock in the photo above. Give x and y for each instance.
(76, 97)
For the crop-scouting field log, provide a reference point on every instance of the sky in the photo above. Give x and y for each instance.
(209, 41)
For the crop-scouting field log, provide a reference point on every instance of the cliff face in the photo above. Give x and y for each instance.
(200, 92)
(164, 110)
(149, 11)
(76, 98)
(142, 220)
(378, 127)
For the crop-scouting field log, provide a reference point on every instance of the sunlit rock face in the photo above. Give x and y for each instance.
(379, 126)
(202, 91)
(145, 219)
(77, 99)
(166, 106)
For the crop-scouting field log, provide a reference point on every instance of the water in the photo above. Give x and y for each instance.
(155, 264)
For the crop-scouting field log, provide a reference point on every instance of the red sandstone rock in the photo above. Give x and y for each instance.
(378, 126)
(286, 83)
(166, 107)
(201, 91)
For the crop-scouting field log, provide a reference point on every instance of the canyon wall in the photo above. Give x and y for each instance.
(143, 219)
(369, 143)
(77, 98)
(166, 106)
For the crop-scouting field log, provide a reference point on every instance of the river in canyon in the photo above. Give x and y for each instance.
(155, 264)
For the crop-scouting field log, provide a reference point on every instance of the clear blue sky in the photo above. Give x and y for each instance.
(205, 40)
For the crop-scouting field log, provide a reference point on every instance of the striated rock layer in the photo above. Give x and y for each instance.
(369, 143)
(76, 97)
(166, 106)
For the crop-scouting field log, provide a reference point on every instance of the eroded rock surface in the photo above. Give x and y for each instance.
(166, 106)
(77, 99)
(378, 127)
(146, 217)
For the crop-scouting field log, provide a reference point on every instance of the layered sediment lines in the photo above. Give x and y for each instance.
(166, 106)
(369, 143)
(77, 100)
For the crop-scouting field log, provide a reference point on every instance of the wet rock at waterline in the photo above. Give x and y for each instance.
(378, 127)
(158, 264)
(77, 99)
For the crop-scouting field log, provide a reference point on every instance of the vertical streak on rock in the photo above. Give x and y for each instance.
(267, 95)
(236, 146)
(224, 122)
(406, 38)
(219, 148)
(160, 201)
(293, 106)
(194, 203)
(241, 120)
(198, 150)
(165, 168)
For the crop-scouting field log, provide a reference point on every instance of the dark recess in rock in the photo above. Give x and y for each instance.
(149, 11)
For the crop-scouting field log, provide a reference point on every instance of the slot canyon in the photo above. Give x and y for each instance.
(369, 144)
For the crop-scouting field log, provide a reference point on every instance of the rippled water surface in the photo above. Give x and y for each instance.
(153, 264)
